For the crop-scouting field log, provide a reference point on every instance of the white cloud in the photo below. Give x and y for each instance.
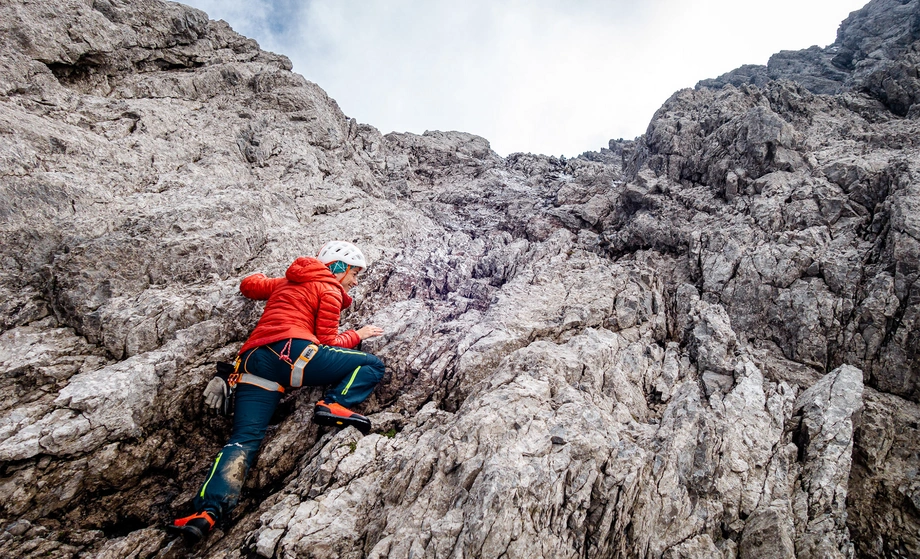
(544, 76)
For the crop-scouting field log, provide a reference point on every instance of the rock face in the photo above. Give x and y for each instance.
(701, 343)
(875, 53)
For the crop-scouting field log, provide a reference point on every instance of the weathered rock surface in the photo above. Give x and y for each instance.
(875, 53)
(701, 343)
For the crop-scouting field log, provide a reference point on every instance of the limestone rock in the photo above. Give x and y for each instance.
(769, 534)
(825, 442)
(699, 343)
(874, 53)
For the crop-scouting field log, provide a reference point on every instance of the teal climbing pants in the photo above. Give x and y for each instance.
(352, 376)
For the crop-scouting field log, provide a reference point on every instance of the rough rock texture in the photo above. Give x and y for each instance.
(875, 53)
(701, 343)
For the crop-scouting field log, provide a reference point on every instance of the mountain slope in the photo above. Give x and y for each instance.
(700, 343)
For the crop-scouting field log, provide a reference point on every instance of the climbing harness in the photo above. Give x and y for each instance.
(285, 351)
(232, 375)
(297, 369)
(236, 377)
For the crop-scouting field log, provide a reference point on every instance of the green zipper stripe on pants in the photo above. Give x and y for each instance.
(349, 352)
(353, 375)
(213, 469)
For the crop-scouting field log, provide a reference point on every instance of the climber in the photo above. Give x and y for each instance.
(296, 341)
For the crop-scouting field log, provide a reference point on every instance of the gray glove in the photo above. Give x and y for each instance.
(216, 394)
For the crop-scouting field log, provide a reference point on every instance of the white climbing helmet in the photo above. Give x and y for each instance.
(344, 251)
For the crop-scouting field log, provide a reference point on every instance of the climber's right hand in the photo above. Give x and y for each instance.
(369, 331)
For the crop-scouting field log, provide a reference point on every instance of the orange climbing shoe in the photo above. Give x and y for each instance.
(337, 415)
(194, 528)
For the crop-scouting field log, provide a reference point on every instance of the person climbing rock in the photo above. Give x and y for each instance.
(296, 342)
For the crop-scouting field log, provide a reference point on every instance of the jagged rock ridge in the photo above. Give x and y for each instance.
(875, 53)
(702, 343)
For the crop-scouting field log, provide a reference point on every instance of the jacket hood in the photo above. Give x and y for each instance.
(306, 269)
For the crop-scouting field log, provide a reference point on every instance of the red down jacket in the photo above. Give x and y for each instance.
(305, 304)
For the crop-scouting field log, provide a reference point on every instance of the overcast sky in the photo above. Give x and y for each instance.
(557, 77)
